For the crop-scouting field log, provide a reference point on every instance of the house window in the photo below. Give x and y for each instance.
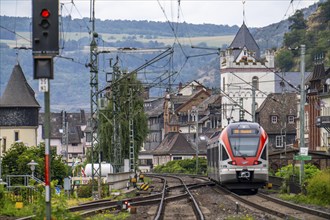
(291, 119)
(16, 136)
(4, 145)
(88, 137)
(74, 145)
(223, 83)
(306, 121)
(279, 141)
(255, 82)
(274, 119)
(177, 158)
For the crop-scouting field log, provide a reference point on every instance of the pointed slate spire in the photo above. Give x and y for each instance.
(243, 39)
(18, 92)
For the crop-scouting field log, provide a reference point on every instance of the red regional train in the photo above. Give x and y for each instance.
(238, 157)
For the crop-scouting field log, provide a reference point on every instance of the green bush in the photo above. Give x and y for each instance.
(2, 195)
(287, 172)
(318, 187)
(84, 191)
(187, 166)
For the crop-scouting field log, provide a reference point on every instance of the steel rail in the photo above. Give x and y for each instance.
(297, 207)
(278, 201)
(198, 212)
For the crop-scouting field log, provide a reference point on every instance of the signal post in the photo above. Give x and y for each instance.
(45, 38)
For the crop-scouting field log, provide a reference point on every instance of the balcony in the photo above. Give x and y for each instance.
(323, 122)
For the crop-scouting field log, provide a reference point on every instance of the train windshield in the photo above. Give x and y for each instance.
(244, 146)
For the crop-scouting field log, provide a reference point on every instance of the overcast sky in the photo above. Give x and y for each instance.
(258, 13)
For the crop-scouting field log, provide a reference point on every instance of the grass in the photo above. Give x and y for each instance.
(9, 209)
(107, 215)
(75, 202)
(302, 199)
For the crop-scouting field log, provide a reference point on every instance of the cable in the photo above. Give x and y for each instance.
(14, 32)
(172, 29)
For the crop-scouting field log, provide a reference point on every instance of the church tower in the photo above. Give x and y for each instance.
(19, 112)
(241, 66)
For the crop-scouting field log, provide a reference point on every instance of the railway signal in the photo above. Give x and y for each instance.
(125, 205)
(45, 27)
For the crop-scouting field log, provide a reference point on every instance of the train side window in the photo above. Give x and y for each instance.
(224, 153)
(217, 156)
(213, 157)
(264, 154)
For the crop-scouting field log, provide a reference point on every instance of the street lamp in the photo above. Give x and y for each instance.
(32, 166)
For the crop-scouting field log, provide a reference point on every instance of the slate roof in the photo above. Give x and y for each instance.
(18, 92)
(294, 78)
(284, 105)
(317, 77)
(174, 143)
(318, 72)
(75, 121)
(156, 108)
(243, 39)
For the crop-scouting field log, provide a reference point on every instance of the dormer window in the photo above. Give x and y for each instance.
(274, 119)
(290, 119)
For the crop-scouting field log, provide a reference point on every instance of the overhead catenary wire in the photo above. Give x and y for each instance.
(172, 29)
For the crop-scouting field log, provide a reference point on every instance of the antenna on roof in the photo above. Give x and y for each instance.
(243, 1)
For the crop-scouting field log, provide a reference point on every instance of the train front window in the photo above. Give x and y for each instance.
(244, 146)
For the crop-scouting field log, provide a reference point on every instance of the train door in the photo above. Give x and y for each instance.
(219, 152)
(223, 159)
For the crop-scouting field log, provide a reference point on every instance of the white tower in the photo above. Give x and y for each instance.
(241, 64)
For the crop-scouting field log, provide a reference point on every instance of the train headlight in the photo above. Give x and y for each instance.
(256, 162)
(232, 162)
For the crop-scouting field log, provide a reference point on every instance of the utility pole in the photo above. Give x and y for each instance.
(241, 110)
(194, 113)
(94, 86)
(47, 152)
(302, 109)
(116, 142)
(254, 82)
(65, 138)
(131, 132)
(45, 39)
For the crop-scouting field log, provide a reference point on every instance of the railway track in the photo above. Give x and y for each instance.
(275, 206)
(174, 209)
(186, 197)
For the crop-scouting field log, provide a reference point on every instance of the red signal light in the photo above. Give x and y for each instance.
(45, 13)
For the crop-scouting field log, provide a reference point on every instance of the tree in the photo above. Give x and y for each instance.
(139, 120)
(325, 14)
(294, 39)
(298, 21)
(284, 60)
(16, 159)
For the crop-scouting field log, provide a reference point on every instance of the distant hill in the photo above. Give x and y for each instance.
(70, 89)
(271, 36)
